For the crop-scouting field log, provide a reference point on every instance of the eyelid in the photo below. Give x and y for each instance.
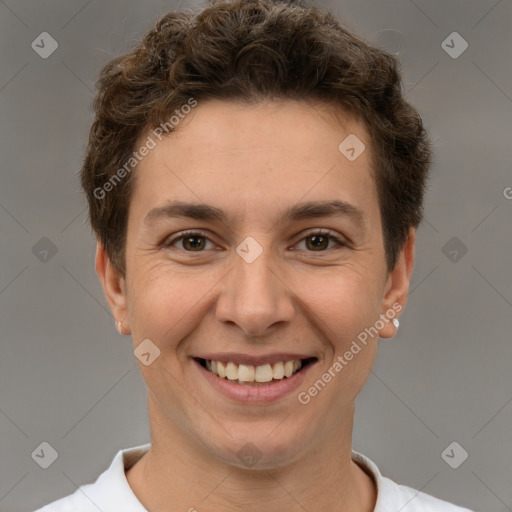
(322, 231)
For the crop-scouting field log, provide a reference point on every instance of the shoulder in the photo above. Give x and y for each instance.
(415, 501)
(392, 497)
(109, 493)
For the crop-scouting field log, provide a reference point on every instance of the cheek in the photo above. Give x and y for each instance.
(345, 305)
(342, 306)
(166, 305)
(344, 302)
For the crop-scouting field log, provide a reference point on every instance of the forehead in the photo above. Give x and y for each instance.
(257, 159)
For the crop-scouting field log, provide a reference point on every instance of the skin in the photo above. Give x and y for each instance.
(252, 162)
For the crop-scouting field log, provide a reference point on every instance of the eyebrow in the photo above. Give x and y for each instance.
(300, 211)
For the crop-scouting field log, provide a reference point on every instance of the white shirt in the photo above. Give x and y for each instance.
(112, 493)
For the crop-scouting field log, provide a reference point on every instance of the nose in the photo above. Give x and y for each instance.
(255, 296)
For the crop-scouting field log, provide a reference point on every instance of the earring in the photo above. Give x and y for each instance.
(119, 325)
(396, 323)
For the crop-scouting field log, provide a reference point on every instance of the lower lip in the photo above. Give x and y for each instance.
(259, 393)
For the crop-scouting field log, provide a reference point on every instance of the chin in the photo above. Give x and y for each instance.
(258, 448)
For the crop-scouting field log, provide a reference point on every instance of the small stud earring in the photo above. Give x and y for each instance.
(396, 323)
(119, 327)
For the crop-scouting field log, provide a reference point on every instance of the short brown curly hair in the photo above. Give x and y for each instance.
(247, 51)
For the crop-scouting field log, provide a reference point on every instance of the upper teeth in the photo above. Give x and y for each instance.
(250, 373)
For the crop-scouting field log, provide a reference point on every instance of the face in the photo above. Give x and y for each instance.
(280, 258)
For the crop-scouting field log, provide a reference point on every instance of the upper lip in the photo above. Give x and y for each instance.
(239, 358)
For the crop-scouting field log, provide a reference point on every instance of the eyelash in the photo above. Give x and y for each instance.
(326, 233)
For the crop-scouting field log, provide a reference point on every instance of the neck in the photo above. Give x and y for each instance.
(177, 473)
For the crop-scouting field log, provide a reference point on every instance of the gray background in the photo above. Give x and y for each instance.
(68, 378)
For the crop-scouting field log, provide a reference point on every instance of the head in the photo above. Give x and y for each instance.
(244, 109)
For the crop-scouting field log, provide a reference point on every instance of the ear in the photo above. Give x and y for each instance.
(397, 286)
(114, 286)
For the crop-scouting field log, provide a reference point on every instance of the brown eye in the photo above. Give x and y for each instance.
(318, 241)
(193, 241)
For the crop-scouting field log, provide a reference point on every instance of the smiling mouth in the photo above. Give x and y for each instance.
(250, 375)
